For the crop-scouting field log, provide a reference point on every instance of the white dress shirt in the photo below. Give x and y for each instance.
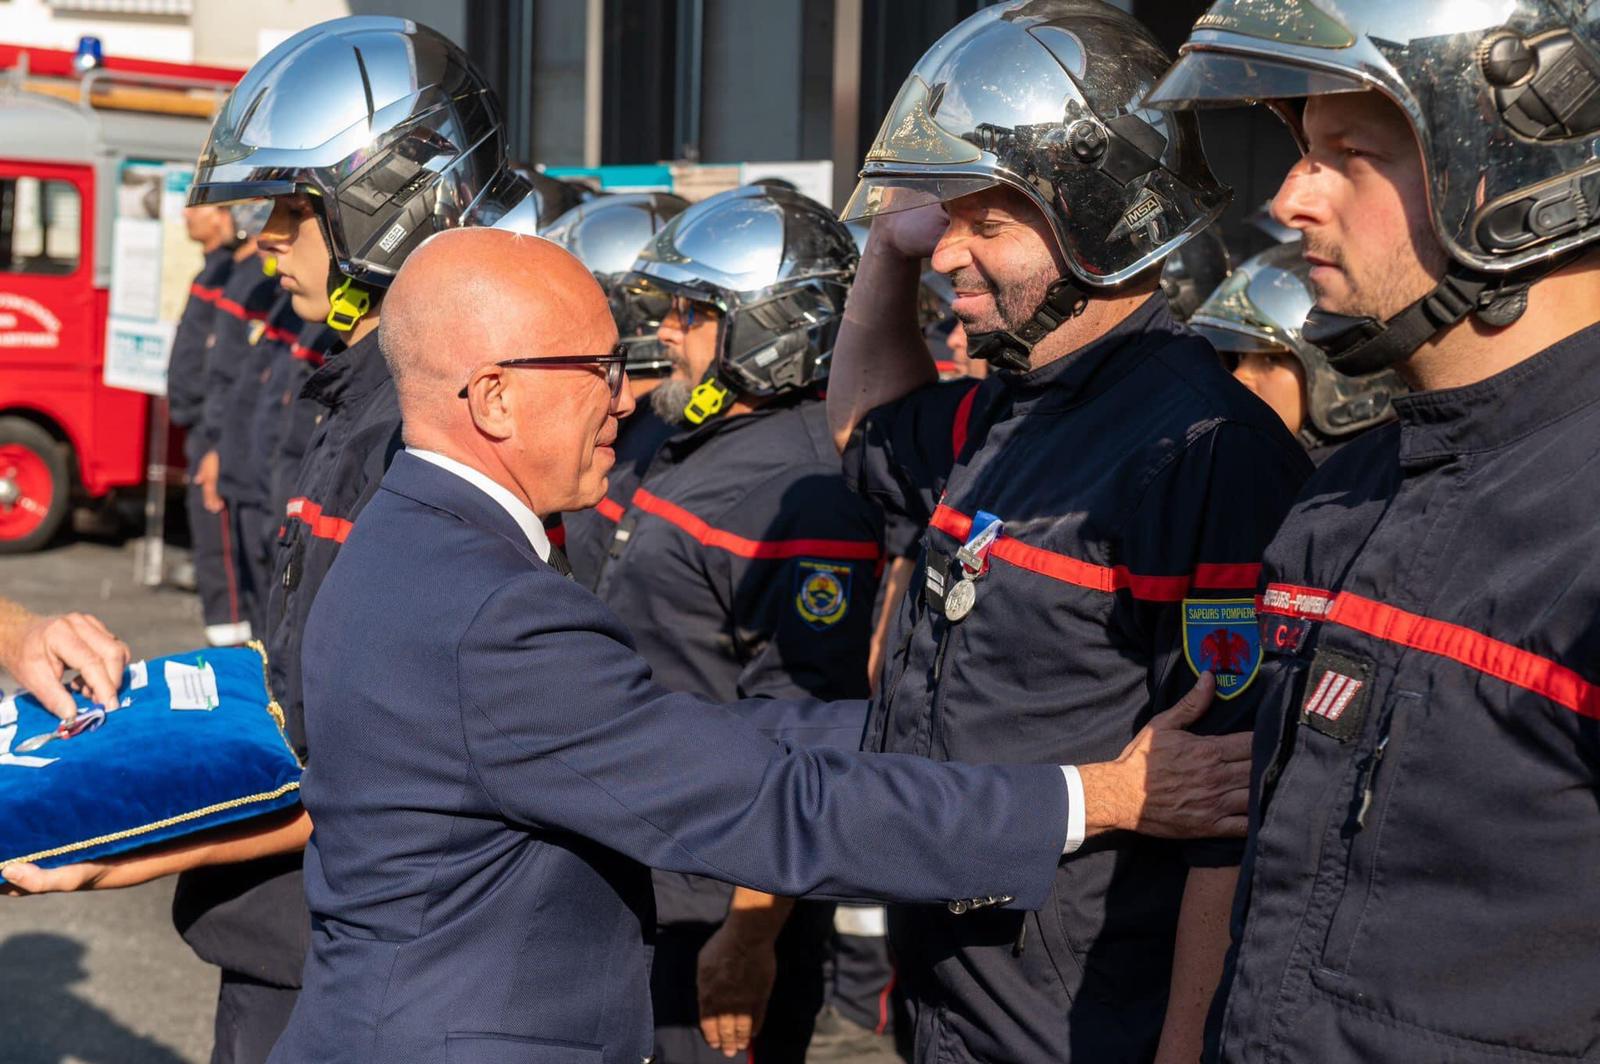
(533, 528)
(525, 518)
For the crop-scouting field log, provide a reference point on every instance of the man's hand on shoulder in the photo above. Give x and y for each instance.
(1171, 783)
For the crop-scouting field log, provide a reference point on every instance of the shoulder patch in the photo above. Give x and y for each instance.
(822, 592)
(1220, 636)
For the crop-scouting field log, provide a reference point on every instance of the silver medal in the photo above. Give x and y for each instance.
(959, 602)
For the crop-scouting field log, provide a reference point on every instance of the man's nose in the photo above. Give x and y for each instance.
(624, 403)
(1300, 202)
(951, 253)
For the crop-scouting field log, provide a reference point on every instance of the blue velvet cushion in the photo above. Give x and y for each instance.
(196, 742)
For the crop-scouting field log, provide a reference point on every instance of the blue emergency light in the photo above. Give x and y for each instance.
(91, 55)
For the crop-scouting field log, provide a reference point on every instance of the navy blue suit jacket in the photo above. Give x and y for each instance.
(495, 769)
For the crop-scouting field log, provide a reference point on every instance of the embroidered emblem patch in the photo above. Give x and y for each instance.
(822, 592)
(1337, 690)
(1220, 636)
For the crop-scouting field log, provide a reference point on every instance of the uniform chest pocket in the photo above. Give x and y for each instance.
(1352, 874)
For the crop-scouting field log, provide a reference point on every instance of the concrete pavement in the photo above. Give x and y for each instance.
(102, 978)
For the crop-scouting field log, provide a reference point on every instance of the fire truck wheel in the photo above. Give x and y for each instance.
(35, 483)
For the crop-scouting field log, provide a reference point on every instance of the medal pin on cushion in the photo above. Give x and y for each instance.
(87, 720)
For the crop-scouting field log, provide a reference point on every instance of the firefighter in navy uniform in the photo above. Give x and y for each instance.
(284, 421)
(607, 233)
(1096, 509)
(1425, 837)
(240, 307)
(404, 141)
(745, 567)
(233, 375)
(1256, 321)
(215, 230)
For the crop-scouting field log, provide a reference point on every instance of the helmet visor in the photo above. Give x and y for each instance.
(1229, 79)
(885, 195)
(1235, 337)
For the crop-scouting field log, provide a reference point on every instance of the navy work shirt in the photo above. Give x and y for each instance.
(589, 532)
(746, 568)
(186, 371)
(1425, 836)
(1138, 484)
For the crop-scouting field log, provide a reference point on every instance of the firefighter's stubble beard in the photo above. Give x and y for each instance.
(1016, 298)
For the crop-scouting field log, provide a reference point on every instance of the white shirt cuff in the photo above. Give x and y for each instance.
(1075, 826)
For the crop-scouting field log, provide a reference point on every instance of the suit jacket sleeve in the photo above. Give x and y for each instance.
(567, 732)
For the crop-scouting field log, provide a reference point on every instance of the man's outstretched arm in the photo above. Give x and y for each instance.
(880, 354)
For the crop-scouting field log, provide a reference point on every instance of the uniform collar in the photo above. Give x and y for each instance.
(1512, 404)
(1077, 376)
(685, 440)
(525, 518)
(350, 375)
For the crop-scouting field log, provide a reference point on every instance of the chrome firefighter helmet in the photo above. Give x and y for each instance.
(1194, 271)
(607, 233)
(775, 265)
(384, 124)
(552, 197)
(1262, 306)
(1043, 96)
(1503, 97)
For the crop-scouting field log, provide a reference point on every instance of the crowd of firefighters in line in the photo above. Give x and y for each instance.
(733, 311)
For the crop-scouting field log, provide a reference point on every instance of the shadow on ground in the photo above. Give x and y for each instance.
(40, 978)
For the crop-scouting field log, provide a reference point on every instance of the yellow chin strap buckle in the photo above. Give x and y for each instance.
(269, 266)
(347, 305)
(706, 401)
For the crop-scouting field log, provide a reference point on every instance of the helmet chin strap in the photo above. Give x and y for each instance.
(1063, 301)
(1358, 345)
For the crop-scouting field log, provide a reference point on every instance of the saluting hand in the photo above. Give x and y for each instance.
(1171, 783)
(910, 234)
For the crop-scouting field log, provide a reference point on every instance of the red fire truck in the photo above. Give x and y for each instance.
(65, 436)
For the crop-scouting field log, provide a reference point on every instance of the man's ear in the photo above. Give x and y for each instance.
(490, 405)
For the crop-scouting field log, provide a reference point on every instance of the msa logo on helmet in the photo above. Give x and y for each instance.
(822, 593)
(1146, 210)
(391, 239)
(1220, 636)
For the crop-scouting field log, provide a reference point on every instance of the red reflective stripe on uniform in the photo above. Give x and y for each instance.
(201, 292)
(1515, 666)
(238, 310)
(883, 1001)
(1109, 579)
(610, 509)
(1479, 652)
(321, 525)
(282, 336)
(958, 428)
(1237, 577)
(307, 354)
(835, 549)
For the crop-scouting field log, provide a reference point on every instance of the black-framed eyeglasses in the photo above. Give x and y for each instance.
(614, 364)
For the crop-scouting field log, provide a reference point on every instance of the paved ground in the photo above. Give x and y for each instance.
(101, 978)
